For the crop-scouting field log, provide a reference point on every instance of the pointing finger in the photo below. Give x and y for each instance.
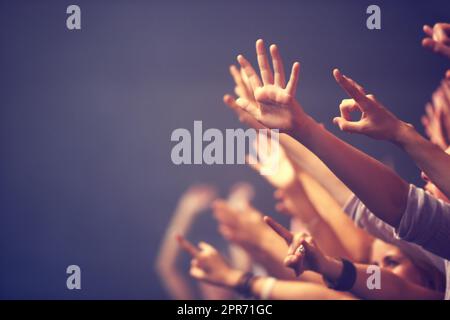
(352, 88)
(187, 246)
(278, 228)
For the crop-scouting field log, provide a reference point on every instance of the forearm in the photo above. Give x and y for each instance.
(172, 279)
(166, 262)
(382, 190)
(271, 256)
(312, 165)
(176, 284)
(391, 286)
(429, 158)
(317, 227)
(355, 241)
(296, 290)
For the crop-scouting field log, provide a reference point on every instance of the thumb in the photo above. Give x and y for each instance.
(205, 246)
(347, 126)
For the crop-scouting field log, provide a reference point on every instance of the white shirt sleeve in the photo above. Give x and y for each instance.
(365, 219)
(426, 221)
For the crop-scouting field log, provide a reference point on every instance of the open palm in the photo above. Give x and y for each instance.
(275, 105)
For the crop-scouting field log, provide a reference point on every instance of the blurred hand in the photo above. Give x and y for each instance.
(275, 107)
(291, 201)
(243, 90)
(272, 163)
(197, 198)
(434, 126)
(438, 38)
(303, 254)
(376, 121)
(240, 195)
(208, 265)
(245, 228)
(443, 101)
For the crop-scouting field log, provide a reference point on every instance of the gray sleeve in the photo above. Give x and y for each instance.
(426, 221)
(365, 219)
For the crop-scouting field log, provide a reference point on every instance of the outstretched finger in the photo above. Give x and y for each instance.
(252, 76)
(263, 62)
(278, 67)
(187, 246)
(278, 228)
(291, 87)
(237, 77)
(353, 89)
(243, 116)
(428, 30)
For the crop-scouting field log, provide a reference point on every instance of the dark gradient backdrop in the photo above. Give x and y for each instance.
(86, 117)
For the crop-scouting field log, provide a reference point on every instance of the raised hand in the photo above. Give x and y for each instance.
(273, 160)
(292, 201)
(434, 126)
(303, 254)
(437, 38)
(208, 265)
(196, 199)
(275, 107)
(376, 121)
(244, 91)
(244, 227)
(436, 121)
(240, 195)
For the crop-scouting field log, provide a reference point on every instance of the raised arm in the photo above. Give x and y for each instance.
(196, 199)
(302, 157)
(304, 254)
(357, 242)
(247, 229)
(382, 190)
(293, 201)
(379, 123)
(209, 266)
(313, 166)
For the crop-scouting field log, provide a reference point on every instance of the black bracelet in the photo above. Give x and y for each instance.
(346, 280)
(244, 286)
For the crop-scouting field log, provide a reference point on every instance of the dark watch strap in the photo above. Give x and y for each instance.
(346, 280)
(244, 286)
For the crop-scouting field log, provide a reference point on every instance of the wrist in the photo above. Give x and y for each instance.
(403, 134)
(330, 267)
(232, 278)
(265, 251)
(302, 127)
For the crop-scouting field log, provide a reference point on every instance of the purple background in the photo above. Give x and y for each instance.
(86, 117)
